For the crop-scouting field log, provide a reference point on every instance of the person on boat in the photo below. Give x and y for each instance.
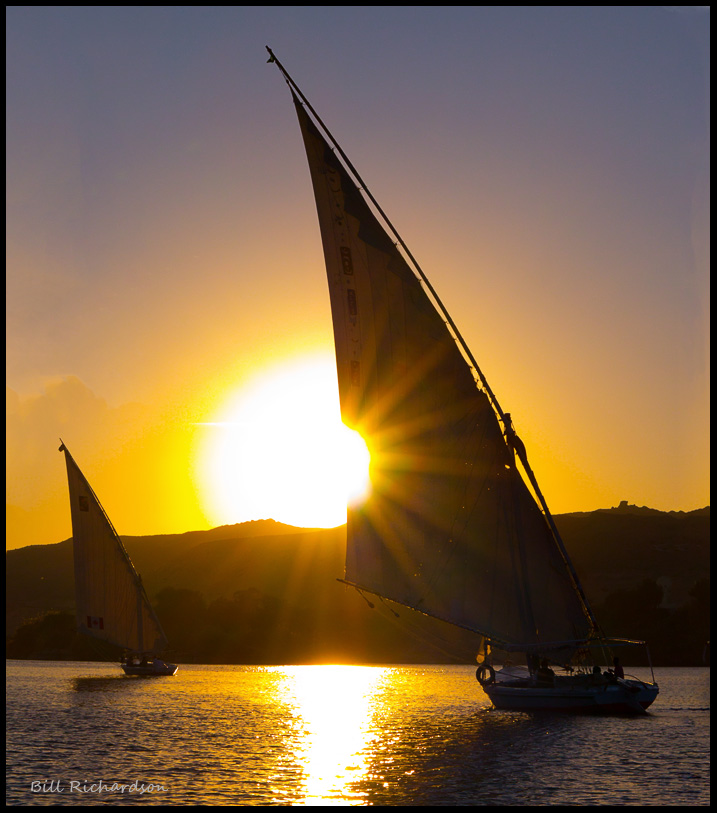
(144, 661)
(617, 669)
(513, 441)
(597, 675)
(544, 674)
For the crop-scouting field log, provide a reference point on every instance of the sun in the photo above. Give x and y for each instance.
(278, 450)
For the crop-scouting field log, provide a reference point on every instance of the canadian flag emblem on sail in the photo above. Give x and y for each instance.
(95, 623)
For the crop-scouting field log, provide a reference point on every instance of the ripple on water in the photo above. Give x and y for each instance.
(341, 735)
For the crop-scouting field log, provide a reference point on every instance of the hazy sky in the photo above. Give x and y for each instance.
(548, 167)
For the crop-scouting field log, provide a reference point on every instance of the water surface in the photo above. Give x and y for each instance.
(345, 735)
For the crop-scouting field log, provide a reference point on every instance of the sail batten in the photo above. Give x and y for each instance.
(450, 528)
(110, 602)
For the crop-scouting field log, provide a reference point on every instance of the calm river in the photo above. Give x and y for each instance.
(83, 734)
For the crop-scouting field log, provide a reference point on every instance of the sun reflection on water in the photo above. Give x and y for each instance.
(334, 706)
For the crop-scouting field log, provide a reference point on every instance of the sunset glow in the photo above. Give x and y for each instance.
(358, 405)
(163, 248)
(278, 450)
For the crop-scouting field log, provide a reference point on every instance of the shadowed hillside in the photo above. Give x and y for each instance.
(615, 548)
(262, 592)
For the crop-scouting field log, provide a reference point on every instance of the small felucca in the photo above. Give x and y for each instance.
(451, 528)
(110, 601)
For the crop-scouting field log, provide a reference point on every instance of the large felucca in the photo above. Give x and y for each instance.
(450, 529)
(111, 604)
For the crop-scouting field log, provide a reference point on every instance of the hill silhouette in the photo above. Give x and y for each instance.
(263, 592)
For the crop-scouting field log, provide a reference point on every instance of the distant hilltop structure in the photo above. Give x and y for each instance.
(627, 508)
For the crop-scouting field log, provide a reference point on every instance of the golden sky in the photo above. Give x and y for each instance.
(548, 167)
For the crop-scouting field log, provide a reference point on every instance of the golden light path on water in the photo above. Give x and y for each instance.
(412, 735)
(334, 707)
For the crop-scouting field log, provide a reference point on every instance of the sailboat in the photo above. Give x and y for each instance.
(451, 528)
(110, 602)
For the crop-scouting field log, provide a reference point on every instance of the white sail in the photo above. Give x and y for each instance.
(111, 604)
(450, 528)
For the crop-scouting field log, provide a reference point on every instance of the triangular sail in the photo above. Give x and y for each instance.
(450, 528)
(111, 604)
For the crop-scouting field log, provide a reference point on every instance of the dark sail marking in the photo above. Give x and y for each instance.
(346, 262)
(351, 299)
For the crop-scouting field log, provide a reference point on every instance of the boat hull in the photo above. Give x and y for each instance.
(156, 669)
(633, 697)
